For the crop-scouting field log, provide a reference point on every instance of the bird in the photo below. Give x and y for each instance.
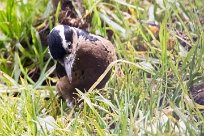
(81, 57)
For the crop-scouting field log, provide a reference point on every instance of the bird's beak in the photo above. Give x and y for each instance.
(68, 62)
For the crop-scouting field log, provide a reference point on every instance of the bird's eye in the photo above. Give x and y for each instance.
(69, 45)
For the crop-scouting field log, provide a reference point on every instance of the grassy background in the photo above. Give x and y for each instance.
(150, 96)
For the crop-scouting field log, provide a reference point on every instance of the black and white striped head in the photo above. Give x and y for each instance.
(62, 47)
(64, 40)
(60, 41)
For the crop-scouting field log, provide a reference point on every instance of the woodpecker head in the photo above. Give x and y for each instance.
(60, 41)
(62, 46)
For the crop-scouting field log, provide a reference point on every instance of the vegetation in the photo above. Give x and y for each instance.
(148, 92)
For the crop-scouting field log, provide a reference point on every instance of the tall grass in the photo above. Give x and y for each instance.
(150, 96)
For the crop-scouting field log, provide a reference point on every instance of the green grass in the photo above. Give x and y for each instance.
(152, 97)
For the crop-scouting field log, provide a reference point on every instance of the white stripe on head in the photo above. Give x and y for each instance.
(76, 39)
(60, 28)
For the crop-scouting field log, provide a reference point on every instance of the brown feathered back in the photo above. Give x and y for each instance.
(91, 60)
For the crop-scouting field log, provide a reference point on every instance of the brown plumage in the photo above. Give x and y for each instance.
(89, 57)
